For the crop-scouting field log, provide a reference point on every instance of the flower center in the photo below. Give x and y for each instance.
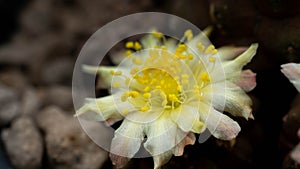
(162, 76)
(159, 83)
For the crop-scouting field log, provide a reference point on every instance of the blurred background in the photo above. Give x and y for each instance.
(41, 39)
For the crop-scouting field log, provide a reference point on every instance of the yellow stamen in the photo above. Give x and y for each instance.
(129, 44)
(137, 61)
(181, 48)
(173, 98)
(127, 81)
(190, 56)
(214, 51)
(157, 34)
(133, 94)
(185, 76)
(200, 47)
(163, 47)
(124, 96)
(147, 89)
(188, 34)
(134, 70)
(209, 49)
(117, 73)
(125, 111)
(212, 59)
(147, 95)
(144, 108)
(128, 53)
(137, 46)
(116, 84)
(204, 77)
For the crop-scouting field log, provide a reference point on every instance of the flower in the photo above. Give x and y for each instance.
(292, 72)
(165, 91)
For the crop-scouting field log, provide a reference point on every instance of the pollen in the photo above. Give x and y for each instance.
(127, 81)
(188, 34)
(116, 73)
(125, 112)
(173, 98)
(210, 49)
(133, 94)
(147, 95)
(200, 47)
(158, 87)
(185, 76)
(137, 61)
(181, 48)
(116, 84)
(190, 56)
(128, 53)
(124, 96)
(204, 77)
(163, 47)
(157, 34)
(134, 71)
(145, 108)
(212, 59)
(137, 46)
(147, 89)
(129, 44)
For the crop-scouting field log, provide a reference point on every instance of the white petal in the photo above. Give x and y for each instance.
(126, 142)
(227, 53)
(232, 99)
(118, 56)
(238, 63)
(150, 41)
(160, 160)
(292, 72)
(162, 136)
(187, 118)
(220, 125)
(188, 140)
(105, 79)
(245, 80)
(99, 109)
(201, 37)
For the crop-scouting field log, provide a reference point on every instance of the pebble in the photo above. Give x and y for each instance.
(66, 144)
(10, 106)
(23, 144)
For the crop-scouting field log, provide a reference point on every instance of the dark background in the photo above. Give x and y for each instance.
(40, 41)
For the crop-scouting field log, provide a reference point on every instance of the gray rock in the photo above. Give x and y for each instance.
(66, 143)
(23, 144)
(58, 71)
(30, 102)
(56, 95)
(10, 106)
(15, 79)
